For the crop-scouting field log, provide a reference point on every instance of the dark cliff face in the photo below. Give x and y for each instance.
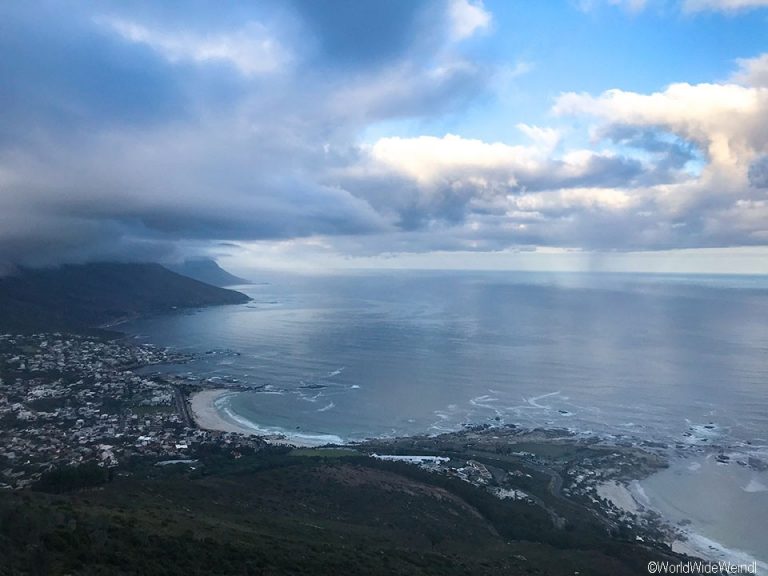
(75, 297)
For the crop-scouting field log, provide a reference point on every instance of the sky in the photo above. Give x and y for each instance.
(617, 135)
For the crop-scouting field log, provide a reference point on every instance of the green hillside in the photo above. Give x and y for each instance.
(282, 514)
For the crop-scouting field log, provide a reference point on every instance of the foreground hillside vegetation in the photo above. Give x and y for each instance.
(281, 513)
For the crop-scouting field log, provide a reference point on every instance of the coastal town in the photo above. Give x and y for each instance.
(78, 403)
(67, 400)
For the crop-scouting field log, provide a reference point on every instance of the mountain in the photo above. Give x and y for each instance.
(208, 271)
(78, 297)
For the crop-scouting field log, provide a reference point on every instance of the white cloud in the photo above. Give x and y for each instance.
(456, 161)
(612, 199)
(687, 5)
(546, 137)
(545, 193)
(752, 71)
(724, 203)
(722, 5)
(427, 159)
(501, 189)
(467, 18)
(251, 50)
(725, 120)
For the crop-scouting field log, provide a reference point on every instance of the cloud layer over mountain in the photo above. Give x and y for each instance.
(168, 130)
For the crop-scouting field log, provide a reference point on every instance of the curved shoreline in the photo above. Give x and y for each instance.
(631, 497)
(207, 416)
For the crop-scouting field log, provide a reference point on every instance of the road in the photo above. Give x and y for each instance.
(182, 407)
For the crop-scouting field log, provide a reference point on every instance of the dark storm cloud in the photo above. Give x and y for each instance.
(61, 74)
(133, 134)
(297, 209)
(363, 34)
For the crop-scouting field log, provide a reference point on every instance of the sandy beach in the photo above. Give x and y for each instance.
(632, 498)
(208, 417)
(716, 528)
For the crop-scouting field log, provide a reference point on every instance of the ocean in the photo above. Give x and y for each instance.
(681, 360)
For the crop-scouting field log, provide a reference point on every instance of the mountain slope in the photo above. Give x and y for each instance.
(280, 514)
(75, 297)
(208, 271)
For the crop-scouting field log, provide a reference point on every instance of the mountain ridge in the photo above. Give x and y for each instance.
(77, 297)
(208, 271)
